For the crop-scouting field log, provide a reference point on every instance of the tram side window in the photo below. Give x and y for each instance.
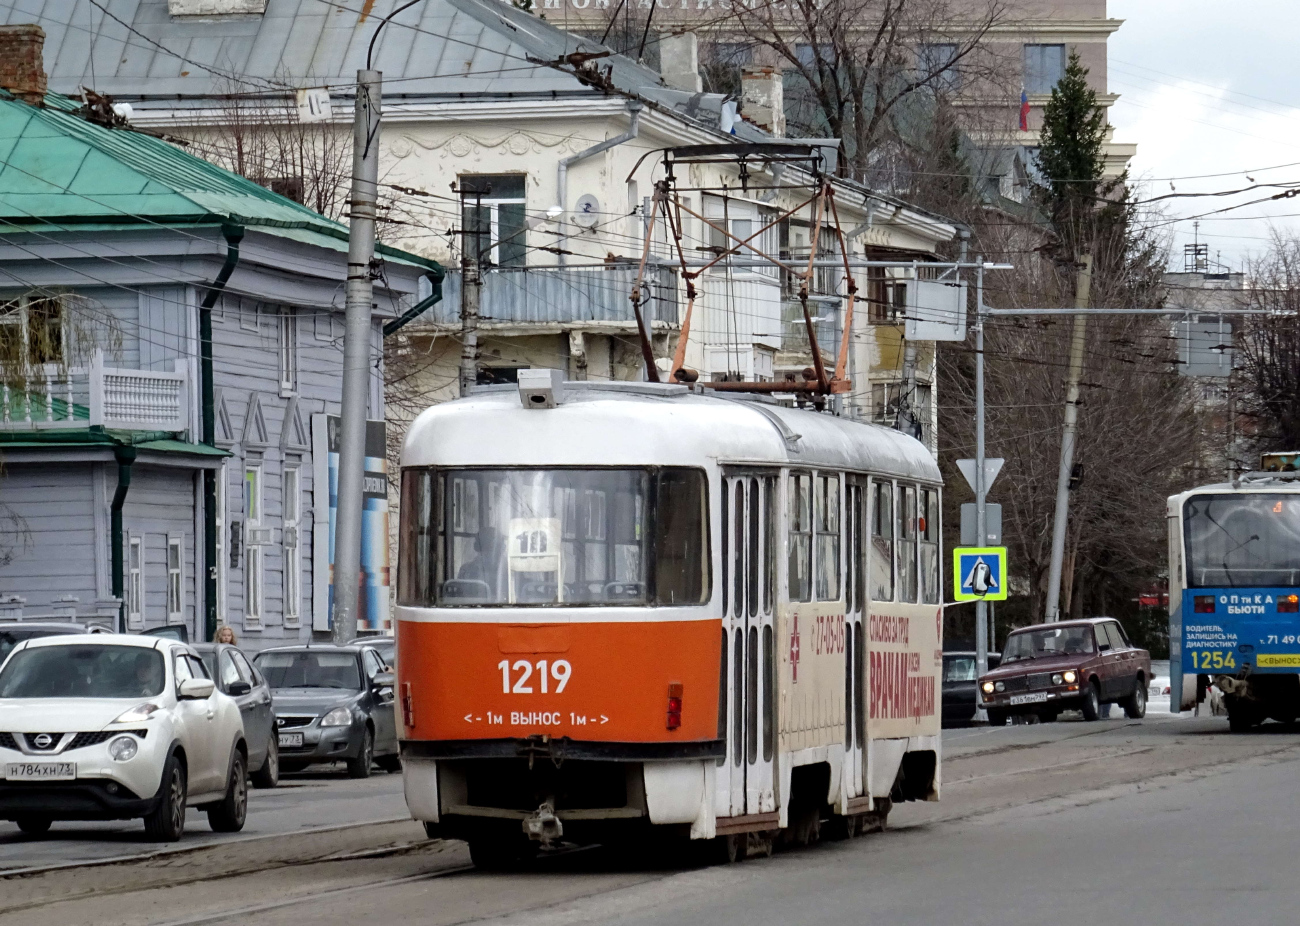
(929, 531)
(416, 577)
(907, 544)
(827, 503)
(681, 550)
(800, 571)
(882, 541)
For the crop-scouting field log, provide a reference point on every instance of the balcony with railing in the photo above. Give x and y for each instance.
(563, 296)
(49, 396)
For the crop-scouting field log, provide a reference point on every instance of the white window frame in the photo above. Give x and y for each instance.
(17, 313)
(175, 579)
(291, 508)
(493, 203)
(222, 564)
(253, 573)
(287, 321)
(134, 590)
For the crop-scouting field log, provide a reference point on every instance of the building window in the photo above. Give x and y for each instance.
(1044, 67)
(937, 64)
(292, 558)
(134, 581)
(31, 332)
(175, 580)
(495, 230)
(884, 402)
(288, 350)
(253, 551)
(886, 297)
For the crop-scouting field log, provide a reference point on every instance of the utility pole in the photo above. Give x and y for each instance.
(471, 282)
(356, 354)
(1083, 282)
(981, 484)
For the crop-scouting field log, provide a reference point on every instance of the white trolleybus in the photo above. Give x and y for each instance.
(631, 610)
(1234, 594)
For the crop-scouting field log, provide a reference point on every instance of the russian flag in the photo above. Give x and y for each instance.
(1024, 111)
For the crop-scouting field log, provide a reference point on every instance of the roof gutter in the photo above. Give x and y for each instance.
(414, 312)
(562, 170)
(125, 455)
(233, 234)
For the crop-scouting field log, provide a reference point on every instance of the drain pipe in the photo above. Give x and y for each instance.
(562, 171)
(233, 234)
(435, 277)
(125, 455)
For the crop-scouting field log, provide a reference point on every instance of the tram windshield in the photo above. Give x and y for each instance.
(538, 537)
(1248, 540)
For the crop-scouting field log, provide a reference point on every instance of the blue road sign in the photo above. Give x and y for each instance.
(979, 573)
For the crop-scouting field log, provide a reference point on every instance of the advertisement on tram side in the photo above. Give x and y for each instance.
(904, 670)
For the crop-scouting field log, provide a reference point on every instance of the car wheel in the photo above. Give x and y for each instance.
(268, 776)
(166, 822)
(997, 718)
(391, 764)
(229, 813)
(34, 824)
(360, 766)
(1135, 705)
(1091, 702)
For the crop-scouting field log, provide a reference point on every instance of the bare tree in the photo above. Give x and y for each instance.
(1270, 348)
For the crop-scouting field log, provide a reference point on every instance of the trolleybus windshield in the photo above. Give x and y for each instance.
(538, 537)
(1247, 540)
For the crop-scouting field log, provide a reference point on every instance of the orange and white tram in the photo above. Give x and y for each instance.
(628, 608)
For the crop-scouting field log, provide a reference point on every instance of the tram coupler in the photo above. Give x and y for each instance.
(542, 825)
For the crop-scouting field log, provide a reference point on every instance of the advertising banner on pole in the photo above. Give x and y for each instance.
(372, 609)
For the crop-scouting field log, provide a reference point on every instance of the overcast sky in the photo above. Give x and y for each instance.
(1204, 89)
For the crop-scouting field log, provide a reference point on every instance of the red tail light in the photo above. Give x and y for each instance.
(674, 706)
(408, 708)
(1204, 604)
(1288, 604)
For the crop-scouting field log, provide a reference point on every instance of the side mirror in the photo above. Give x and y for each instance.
(195, 689)
(238, 688)
(383, 680)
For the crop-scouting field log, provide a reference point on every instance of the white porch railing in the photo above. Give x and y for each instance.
(73, 397)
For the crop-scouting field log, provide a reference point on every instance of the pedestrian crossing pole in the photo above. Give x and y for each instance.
(357, 339)
(981, 485)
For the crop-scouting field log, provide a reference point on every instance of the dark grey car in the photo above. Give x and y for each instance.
(237, 677)
(332, 703)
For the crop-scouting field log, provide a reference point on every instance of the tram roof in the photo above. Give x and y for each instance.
(1249, 482)
(644, 424)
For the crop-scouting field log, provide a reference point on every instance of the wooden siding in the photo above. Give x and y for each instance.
(54, 550)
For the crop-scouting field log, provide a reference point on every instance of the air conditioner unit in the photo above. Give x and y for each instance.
(258, 537)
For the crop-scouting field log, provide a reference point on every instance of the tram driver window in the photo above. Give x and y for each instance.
(827, 504)
(554, 537)
(800, 567)
(882, 541)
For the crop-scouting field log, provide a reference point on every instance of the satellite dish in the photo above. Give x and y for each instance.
(587, 213)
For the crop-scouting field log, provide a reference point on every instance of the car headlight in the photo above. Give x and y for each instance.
(988, 687)
(1000, 686)
(123, 748)
(1056, 679)
(138, 713)
(339, 717)
(1070, 676)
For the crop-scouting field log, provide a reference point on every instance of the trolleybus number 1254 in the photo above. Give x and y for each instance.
(560, 670)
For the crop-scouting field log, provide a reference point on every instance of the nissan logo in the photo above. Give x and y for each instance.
(43, 741)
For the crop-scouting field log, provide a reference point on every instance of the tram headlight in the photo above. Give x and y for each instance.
(1070, 676)
(988, 687)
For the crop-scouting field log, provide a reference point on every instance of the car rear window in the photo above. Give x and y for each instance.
(83, 670)
(309, 669)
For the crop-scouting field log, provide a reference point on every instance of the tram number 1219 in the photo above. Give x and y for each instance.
(559, 670)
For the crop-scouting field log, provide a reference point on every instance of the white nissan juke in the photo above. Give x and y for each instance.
(114, 727)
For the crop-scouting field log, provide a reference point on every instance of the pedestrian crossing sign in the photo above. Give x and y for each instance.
(979, 573)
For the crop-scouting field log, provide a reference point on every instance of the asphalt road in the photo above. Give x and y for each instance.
(1161, 821)
(303, 801)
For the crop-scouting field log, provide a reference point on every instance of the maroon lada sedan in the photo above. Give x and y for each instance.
(1069, 665)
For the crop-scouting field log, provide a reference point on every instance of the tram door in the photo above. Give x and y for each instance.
(751, 588)
(855, 725)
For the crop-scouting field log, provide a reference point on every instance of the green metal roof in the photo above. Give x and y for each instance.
(58, 168)
(97, 436)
